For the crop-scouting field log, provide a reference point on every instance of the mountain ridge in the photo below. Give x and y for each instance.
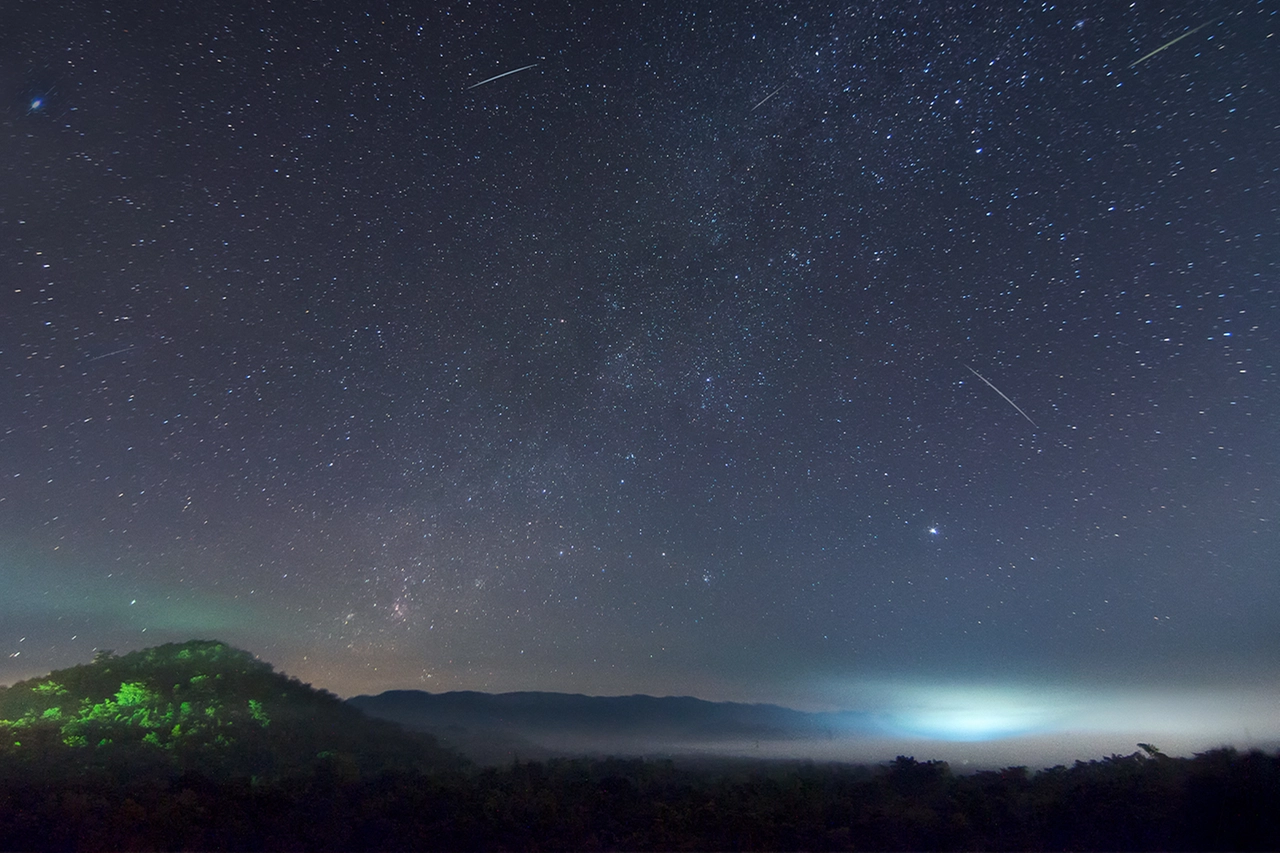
(574, 723)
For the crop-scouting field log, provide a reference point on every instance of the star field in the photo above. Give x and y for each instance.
(767, 354)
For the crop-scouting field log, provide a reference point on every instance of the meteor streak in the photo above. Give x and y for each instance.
(113, 352)
(766, 97)
(1001, 393)
(503, 74)
(1171, 43)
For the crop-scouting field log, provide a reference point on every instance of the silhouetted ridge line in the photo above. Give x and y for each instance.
(681, 718)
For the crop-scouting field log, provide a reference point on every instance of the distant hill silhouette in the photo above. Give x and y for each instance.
(537, 723)
(199, 746)
(200, 706)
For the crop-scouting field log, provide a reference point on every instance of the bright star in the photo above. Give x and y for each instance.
(39, 101)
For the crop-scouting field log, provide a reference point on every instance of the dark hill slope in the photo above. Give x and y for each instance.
(200, 706)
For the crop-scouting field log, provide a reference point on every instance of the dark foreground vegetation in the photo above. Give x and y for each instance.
(199, 746)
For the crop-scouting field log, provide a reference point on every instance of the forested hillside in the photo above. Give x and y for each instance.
(200, 746)
(197, 706)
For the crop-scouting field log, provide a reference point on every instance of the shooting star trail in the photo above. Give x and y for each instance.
(503, 74)
(1001, 393)
(113, 352)
(766, 97)
(1142, 59)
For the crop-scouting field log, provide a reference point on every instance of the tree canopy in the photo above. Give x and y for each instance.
(200, 704)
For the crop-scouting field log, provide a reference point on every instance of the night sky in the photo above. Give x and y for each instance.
(899, 356)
